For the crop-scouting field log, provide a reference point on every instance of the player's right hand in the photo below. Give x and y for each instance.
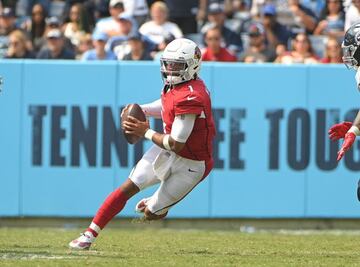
(122, 113)
(339, 130)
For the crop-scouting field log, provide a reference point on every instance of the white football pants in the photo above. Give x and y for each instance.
(177, 177)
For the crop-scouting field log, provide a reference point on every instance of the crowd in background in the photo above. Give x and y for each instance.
(282, 31)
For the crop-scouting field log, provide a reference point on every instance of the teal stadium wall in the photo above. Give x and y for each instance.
(62, 153)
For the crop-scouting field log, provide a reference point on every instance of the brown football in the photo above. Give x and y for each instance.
(135, 111)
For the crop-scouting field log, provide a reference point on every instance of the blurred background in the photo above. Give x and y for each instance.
(282, 31)
(276, 80)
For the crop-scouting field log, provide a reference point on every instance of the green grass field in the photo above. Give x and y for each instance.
(163, 247)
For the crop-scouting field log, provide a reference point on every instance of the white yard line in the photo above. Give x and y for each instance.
(311, 232)
(25, 256)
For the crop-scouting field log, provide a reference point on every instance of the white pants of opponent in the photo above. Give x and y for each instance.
(177, 175)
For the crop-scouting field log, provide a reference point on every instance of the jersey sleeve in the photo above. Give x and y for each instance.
(188, 104)
(152, 109)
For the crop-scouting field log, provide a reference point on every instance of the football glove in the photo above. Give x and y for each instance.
(349, 139)
(339, 130)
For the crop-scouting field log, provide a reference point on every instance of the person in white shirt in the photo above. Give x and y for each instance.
(352, 14)
(137, 9)
(159, 27)
(111, 25)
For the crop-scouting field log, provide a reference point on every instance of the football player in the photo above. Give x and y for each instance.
(351, 58)
(181, 157)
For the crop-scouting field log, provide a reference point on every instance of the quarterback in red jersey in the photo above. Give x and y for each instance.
(181, 157)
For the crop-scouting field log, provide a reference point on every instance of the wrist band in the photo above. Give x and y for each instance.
(149, 134)
(166, 142)
(355, 130)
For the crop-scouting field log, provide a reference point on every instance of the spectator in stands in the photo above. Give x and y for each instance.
(126, 25)
(36, 26)
(316, 6)
(24, 8)
(302, 52)
(76, 26)
(300, 14)
(256, 7)
(85, 44)
(227, 4)
(161, 47)
(258, 51)
(159, 27)
(187, 14)
(137, 49)
(333, 53)
(241, 16)
(213, 50)
(55, 23)
(18, 46)
(55, 47)
(57, 8)
(138, 9)
(275, 32)
(352, 14)
(99, 40)
(332, 20)
(303, 18)
(88, 12)
(216, 16)
(111, 25)
(119, 44)
(7, 25)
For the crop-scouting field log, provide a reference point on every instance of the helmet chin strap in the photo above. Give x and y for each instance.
(350, 63)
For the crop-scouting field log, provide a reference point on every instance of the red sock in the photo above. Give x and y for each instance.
(112, 205)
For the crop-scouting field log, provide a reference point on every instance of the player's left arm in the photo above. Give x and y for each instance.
(152, 109)
(350, 137)
(175, 141)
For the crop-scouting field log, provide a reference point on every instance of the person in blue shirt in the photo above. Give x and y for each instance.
(99, 52)
(217, 17)
(275, 32)
(137, 48)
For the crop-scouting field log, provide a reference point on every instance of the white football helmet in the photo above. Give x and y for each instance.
(180, 61)
(351, 45)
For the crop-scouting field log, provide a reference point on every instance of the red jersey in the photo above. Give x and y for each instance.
(224, 55)
(191, 97)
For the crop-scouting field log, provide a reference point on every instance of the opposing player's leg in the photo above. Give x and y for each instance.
(141, 177)
(185, 175)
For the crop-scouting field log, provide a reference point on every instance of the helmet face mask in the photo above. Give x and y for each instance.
(350, 47)
(173, 67)
(348, 56)
(180, 61)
